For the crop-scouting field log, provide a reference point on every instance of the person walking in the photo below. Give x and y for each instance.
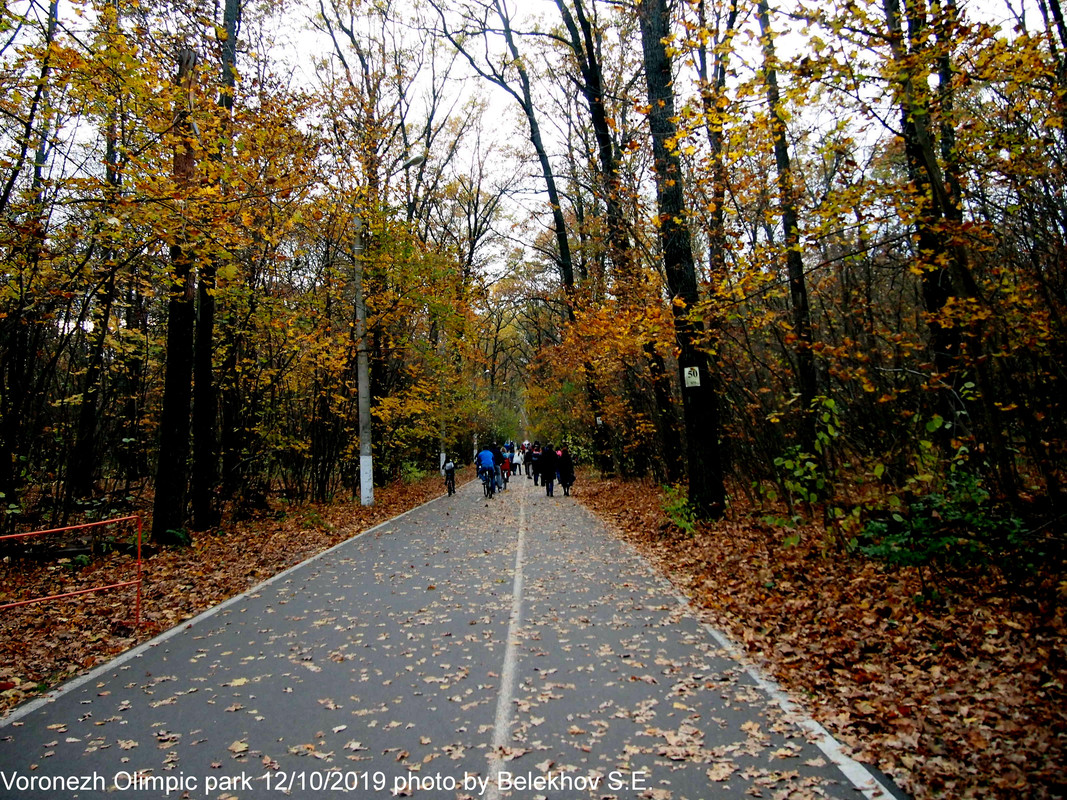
(535, 460)
(547, 466)
(565, 469)
(498, 464)
(516, 464)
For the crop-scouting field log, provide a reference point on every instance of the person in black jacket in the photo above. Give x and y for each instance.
(535, 460)
(547, 466)
(565, 470)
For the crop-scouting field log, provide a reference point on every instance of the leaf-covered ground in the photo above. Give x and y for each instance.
(956, 701)
(960, 700)
(44, 644)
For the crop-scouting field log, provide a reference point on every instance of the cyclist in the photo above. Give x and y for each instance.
(449, 468)
(485, 460)
(505, 468)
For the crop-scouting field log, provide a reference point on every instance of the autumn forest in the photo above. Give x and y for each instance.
(808, 254)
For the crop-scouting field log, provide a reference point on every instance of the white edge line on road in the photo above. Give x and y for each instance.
(857, 774)
(136, 652)
(505, 699)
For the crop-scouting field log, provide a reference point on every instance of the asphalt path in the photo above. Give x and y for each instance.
(470, 648)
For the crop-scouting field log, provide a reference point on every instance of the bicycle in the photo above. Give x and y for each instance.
(488, 483)
(450, 483)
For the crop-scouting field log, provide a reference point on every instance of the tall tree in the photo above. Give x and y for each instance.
(172, 471)
(921, 50)
(21, 333)
(583, 40)
(497, 73)
(700, 398)
(523, 95)
(84, 463)
(712, 73)
(807, 378)
(205, 475)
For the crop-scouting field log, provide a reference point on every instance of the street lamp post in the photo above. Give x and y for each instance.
(366, 457)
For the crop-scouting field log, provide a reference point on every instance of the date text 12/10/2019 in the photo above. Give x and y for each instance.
(400, 785)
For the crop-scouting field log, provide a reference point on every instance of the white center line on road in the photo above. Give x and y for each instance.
(505, 699)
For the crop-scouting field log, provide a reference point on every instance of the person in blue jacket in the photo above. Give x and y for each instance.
(486, 461)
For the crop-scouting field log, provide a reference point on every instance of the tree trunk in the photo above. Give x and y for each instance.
(172, 473)
(713, 98)
(205, 414)
(83, 462)
(946, 268)
(700, 399)
(133, 449)
(205, 408)
(524, 97)
(566, 264)
(19, 335)
(668, 418)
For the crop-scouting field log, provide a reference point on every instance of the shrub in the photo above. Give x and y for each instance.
(678, 510)
(955, 529)
(411, 472)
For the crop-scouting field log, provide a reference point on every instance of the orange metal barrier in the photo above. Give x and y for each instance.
(136, 582)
